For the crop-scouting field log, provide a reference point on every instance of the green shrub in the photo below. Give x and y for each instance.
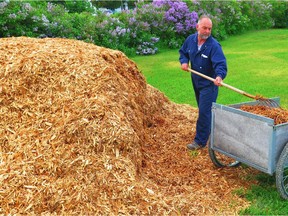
(280, 14)
(17, 19)
(235, 17)
(137, 30)
(260, 14)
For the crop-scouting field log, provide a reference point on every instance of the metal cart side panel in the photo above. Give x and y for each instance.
(243, 136)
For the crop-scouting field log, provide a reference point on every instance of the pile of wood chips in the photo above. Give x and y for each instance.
(81, 132)
(278, 114)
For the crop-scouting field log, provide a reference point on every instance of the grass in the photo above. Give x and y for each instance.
(257, 64)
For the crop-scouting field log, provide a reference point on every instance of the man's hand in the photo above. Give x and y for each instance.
(218, 81)
(185, 66)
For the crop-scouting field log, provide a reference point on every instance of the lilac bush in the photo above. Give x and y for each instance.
(167, 20)
(178, 15)
(144, 22)
(178, 20)
(111, 32)
(44, 19)
(148, 48)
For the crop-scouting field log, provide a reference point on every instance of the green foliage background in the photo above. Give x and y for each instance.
(82, 21)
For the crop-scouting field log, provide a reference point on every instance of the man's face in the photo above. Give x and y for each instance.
(204, 28)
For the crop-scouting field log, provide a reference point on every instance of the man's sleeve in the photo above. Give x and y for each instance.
(184, 55)
(219, 62)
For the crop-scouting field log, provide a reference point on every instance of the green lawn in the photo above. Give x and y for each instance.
(257, 64)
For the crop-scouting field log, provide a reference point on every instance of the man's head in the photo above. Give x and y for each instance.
(204, 27)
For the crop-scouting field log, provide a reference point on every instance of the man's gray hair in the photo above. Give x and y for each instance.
(202, 17)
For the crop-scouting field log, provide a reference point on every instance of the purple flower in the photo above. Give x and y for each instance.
(178, 14)
(50, 7)
(27, 7)
(113, 33)
(132, 20)
(144, 26)
(159, 3)
(133, 34)
(179, 27)
(12, 16)
(2, 7)
(154, 39)
(3, 4)
(45, 20)
(218, 10)
(35, 18)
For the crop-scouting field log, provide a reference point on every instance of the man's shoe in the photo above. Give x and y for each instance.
(194, 146)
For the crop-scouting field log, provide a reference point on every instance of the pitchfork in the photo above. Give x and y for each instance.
(264, 101)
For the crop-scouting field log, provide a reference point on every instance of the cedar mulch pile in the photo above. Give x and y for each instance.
(278, 114)
(81, 132)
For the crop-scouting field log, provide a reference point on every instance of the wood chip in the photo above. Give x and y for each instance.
(279, 115)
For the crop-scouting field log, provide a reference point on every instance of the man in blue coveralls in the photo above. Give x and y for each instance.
(205, 56)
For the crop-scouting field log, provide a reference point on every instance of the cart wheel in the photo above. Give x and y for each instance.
(282, 173)
(221, 160)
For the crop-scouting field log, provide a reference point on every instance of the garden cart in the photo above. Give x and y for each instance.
(239, 136)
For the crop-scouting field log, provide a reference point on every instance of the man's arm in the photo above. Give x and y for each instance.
(219, 63)
(184, 56)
